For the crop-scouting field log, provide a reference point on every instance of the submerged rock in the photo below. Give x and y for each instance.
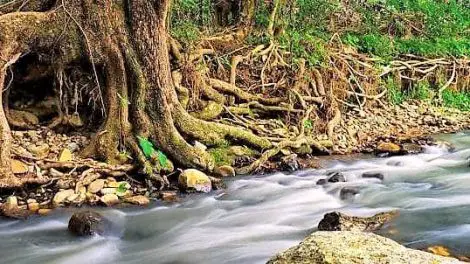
(336, 177)
(376, 175)
(290, 163)
(348, 193)
(346, 247)
(192, 179)
(86, 223)
(340, 222)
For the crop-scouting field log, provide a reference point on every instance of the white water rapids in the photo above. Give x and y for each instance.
(259, 216)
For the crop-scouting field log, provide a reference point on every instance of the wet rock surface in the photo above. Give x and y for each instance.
(194, 180)
(346, 247)
(376, 175)
(86, 223)
(336, 177)
(336, 221)
(348, 193)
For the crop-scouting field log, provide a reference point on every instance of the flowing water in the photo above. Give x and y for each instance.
(258, 216)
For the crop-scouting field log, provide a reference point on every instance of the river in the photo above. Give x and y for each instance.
(258, 216)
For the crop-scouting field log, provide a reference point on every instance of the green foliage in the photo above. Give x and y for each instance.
(459, 100)
(162, 159)
(422, 91)
(121, 189)
(186, 32)
(394, 92)
(383, 28)
(151, 153)
(146, 146)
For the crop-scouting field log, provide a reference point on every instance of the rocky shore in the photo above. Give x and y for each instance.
(68, 180)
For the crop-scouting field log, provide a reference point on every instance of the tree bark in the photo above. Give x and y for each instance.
(129, 41)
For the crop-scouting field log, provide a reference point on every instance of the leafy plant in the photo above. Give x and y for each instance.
(122, 188)
(146, 146)
(151, 153)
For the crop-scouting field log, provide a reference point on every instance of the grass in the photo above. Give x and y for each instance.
(459, 100)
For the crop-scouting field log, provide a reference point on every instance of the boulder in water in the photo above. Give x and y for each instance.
(348, 193)
(336, 177)
(376, 175)
(86, 223)
(345, 247)
(290, 163)
(336, 221)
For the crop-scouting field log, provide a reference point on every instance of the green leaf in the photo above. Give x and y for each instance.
(122, 188)
(162, 158)
(147, 147)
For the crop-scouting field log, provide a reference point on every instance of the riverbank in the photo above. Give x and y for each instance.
(256, 217)
(68, 180)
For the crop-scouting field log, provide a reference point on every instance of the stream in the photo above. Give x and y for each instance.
(259, 216)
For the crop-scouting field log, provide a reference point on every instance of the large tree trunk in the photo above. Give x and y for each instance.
(129, 41)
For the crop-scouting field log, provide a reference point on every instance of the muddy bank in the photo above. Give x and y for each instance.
(68, 180)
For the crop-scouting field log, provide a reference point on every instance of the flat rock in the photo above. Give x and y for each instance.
(96, 186)
(108, 191)
(110, 199)
(349, 247)
(336, 221)
(138, 200)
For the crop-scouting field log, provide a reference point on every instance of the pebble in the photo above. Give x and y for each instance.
(108, 191)
(138, 200)
(96, 186)
(62, 196)
(110, 199)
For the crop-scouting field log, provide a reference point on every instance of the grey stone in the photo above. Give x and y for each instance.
(347, 247)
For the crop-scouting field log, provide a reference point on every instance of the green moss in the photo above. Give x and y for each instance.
(222, 155)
